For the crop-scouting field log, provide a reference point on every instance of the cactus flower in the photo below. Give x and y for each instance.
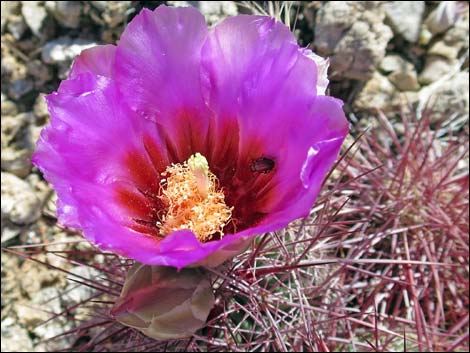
(181, 143)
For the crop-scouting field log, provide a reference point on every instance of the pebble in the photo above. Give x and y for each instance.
(331, 23)
(40, 108)
(16, 162)
(50, 299)
(19, 88)
(17, 144)
(29, 316)
(405, 17)
(9, 232)
(67, 13)
(75, 293)
(405, 80)
(34, 15)
(44, 277)
(213, 11)
(40, 72)
(400, 72)
(359, 52)
(111, 13)
(8, 108)
(354, 35)
(64, 49)
(13, 68)
(445, 50)
(452, 97)
(392, 63)
(436, 67)
(458, 34)
(16, 26)
(8, 8)
(19, 203)
(9, 279)
(12, 127)
(377, 93)
(14, 337)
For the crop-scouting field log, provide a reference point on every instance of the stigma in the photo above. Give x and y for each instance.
(194, 200)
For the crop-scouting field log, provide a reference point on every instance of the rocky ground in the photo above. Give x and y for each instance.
(382, 54)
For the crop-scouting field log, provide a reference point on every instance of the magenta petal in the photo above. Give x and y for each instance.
(181, 248)
(248, 58)
(254, 70)
(313, 151)
(98, 61)
(158, 59)
(82, 153)
(158, 69)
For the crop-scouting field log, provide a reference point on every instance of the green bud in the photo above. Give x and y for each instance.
(163, 303)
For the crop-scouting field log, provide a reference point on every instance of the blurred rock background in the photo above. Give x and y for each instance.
(383, 55)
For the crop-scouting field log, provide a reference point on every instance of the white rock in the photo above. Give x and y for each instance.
(64, 49)
(112, 13)
(405, 18)
(360, 50)
(40, 107)
(436, 67)
(14, 337)
(332, 21)
(13, 68)
(16, 26)
(354, 34)
(19, 202)
(377, 93)
(28, 315)
(12, 126)
(401, 73)
(34, 15)
(17, 162)
(8, 107)
(441, 48)
(392, 63)
(17, 144)
(67, 13)
(458, 35)
(48, 301)
(76, 293)
(9, 231)
(405, 81)
(8, 8)
(213, 11)
(452, 97)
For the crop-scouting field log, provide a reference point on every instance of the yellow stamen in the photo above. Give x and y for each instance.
(189, 191)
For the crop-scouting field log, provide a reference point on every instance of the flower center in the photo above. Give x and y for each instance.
(193, 199)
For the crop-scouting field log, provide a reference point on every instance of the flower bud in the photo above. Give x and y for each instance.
(163, 303)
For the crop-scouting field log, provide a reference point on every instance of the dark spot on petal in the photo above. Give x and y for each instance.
(262, 165)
